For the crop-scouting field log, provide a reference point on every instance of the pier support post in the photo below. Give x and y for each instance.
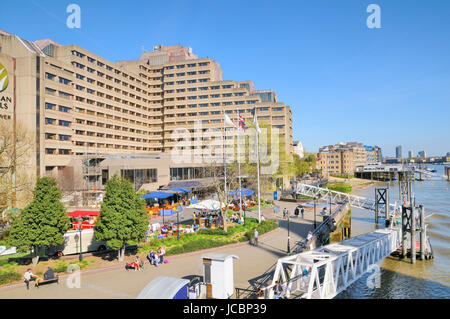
(386, 207)
(422, 232)
(413, 234)
(376, 206)
(404, 231)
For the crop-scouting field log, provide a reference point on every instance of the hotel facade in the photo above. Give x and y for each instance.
(91, 118)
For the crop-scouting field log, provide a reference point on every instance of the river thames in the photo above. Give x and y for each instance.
(399, 278)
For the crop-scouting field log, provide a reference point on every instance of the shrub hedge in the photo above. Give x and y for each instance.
(9, 276)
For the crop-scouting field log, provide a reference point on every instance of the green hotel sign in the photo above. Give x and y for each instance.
(3, 78)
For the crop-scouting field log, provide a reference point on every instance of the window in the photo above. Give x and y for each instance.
(64, 137)
(80, 66)
(78, 54)
(138, 177)
(181, 66)
(64, 108)
(50, 151)
(50, 76)
(79, 76)
(63, 123)
(65, 95)
(64, 152)
(64, 81)
(49, 121)
(50, 136)
(50, 106)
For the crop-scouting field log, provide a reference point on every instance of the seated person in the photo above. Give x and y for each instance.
(151, 257)
(29, 276)
(49, 274)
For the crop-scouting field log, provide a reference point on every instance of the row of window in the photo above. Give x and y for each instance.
(188, 82)
(181, 74)
(189, 65)
(51, 121)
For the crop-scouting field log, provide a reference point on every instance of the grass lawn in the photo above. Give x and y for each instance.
(340, 187)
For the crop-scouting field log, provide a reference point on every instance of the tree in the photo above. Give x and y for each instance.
(16, 184)
(123, 219)
(217, 173)
(43, 222)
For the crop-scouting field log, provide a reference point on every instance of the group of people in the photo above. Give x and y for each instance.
(156, 258)
(29, 276)
(210, 219)
(236, 219)
(299, 210)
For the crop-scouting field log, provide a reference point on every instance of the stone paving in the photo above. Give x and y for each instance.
(116, 282)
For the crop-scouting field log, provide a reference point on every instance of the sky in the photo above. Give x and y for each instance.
(345, 82)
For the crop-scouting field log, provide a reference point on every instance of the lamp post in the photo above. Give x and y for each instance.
(178, 224)
(80, 223)
(315, 198)
(329, 214)
(289, 237)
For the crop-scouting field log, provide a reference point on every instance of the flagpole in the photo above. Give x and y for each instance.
(257, 169)
(239, 173)
(225, 162)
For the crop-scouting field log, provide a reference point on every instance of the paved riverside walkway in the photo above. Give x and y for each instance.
(116, 282)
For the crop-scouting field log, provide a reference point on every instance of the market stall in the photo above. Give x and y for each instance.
(158, 203)
(208, 213)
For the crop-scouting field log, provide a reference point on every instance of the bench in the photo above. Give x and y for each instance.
(48, 281)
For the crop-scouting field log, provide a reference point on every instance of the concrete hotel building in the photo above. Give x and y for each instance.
(343, 158)
(92, 118)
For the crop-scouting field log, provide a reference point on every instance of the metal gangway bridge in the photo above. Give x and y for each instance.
(334, 267)
(354, 201)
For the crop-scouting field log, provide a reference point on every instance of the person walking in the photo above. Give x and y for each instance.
(296, 211)
(284, 212)
(303, 213)
(278, 290)
(255, 235)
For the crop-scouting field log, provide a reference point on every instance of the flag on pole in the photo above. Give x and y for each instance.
(242, 125)
(229, 121)
(255, 121)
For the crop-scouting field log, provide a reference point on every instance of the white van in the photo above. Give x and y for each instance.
(72, 243)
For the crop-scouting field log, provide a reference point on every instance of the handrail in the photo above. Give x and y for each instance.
(304, 243)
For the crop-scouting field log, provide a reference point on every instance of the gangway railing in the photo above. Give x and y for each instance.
(339, 197)
(331, 269)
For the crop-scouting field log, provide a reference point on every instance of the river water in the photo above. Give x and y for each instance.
(400, 278)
